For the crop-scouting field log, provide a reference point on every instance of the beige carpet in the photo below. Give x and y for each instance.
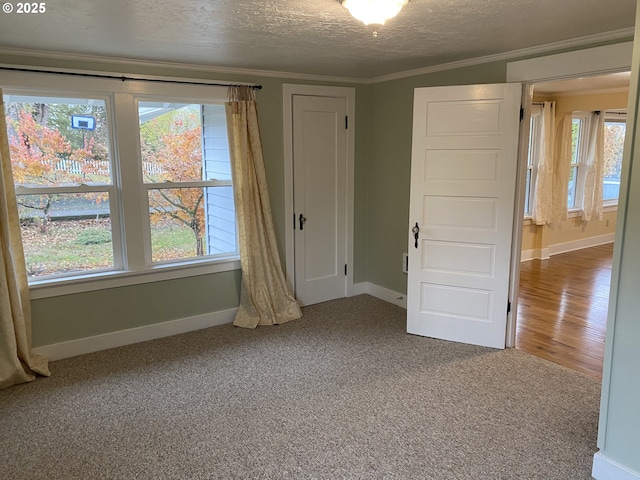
(343, 392)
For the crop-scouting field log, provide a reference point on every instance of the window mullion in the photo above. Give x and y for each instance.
(129, 176)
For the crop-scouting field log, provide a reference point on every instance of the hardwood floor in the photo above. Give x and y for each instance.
(562, 308)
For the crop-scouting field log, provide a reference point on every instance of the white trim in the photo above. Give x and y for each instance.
(81, 346)
(366, 288)
(590, 61)
(558, 248)
(606, 469)
(349, 94)
(525, 52)
(534, 254)
(126, 62)
(565, 247)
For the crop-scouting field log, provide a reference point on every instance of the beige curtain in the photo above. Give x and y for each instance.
(594, 164)
(562, 168)
(17, 363)
(265, 298)
(543, 201)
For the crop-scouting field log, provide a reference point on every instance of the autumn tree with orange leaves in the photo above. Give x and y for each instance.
(41, 156)
(177, 156)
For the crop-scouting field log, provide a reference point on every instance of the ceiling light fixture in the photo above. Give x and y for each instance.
(373, 11)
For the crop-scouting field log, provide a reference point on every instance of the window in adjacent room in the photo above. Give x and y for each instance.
(579, 141)
(614, 133)
(535, 134)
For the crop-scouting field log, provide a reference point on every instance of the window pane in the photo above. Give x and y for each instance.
(614, 133)
(58, 141)
(532, 140)
(576, 125)
(527, 195)
(573, 177)
(191, 222)
(65, 233)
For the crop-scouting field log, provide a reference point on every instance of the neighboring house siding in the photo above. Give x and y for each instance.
(219, 206)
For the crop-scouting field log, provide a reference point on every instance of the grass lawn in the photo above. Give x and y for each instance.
(82, 245)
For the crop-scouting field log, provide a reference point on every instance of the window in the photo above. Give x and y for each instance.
(614, 133)
(157, 199)
(579, 132)
(187, 177)
(535, 137)
(60, 154)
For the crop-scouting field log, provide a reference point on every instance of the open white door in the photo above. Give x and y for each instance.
(463, 184)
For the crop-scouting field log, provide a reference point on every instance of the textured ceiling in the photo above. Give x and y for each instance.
(307, 36)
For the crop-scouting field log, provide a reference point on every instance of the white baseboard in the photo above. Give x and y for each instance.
(606, 469)
(399, 299)
(72, 348)
(545, 253)
(580, 244)
(535, 254)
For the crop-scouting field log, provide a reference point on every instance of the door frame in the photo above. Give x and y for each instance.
(349, 94)
(587, 62)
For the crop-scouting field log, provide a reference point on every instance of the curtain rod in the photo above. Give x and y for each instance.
(124, 78)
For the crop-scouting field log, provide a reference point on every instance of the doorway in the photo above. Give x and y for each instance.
(566, 270)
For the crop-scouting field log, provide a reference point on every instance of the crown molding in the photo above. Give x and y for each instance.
(625, 33)
(190, 67)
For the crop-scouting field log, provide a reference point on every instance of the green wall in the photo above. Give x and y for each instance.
(390, 166)
(69, 317)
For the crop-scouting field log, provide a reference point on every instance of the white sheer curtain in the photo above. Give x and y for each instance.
(17, 363)
(562, 168)
(543, 196)
(265, 298)
(594, 165)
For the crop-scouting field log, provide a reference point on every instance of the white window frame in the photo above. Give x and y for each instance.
(132, 256)
(110, 189)
(581, 153)
(535, 136)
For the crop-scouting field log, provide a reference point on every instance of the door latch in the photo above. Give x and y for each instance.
(416, 233)
(302, 221)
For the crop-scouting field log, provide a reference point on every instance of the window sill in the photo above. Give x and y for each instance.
(113, 279)
(575, 212)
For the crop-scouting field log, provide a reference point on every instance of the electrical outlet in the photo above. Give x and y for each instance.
(405, 263)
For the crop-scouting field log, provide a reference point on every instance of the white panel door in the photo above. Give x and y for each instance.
(463, 183)
(320, 198)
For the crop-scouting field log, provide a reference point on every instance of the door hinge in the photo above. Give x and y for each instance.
(294, 221)
(521, 113)
(345, 269)
(508, 307)
(346, 122)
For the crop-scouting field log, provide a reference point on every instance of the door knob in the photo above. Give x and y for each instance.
(302, 220)
(416, 233)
